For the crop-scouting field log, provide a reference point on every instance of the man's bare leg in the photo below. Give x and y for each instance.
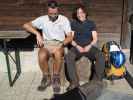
(56, 69)
(58, 60)
(43, 57)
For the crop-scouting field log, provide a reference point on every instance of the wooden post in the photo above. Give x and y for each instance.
(124, 25)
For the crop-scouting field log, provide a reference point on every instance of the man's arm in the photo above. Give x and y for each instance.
(29, 27)
(68, 39)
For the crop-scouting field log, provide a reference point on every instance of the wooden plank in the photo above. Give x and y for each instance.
(13, 34)
(11, 28)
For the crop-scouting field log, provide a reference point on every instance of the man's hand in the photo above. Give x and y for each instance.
(39, 40)
(29, 27)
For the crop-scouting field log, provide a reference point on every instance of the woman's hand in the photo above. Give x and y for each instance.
(87, 48)
(80, 49)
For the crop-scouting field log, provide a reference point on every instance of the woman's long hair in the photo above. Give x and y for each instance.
(74, 14)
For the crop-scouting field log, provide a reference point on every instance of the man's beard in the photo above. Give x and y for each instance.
(53, 18)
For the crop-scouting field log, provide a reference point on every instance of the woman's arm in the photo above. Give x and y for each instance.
(94, 37)
(94, 41)
(73, 42)
(80, 49)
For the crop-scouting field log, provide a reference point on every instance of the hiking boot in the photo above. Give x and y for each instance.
(93, 88)
(45, 82)
(101, 83)
(56, 83)
(72, 86)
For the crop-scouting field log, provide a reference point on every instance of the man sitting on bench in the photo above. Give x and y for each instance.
(56, 33)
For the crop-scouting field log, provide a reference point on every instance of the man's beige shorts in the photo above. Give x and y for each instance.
(52, 45)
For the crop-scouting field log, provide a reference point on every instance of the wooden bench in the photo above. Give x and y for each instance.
(6, 36)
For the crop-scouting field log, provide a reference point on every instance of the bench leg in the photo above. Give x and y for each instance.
(17, 57)
(17, 63)
(8, 68)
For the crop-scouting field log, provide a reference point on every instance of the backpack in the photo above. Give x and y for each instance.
(114, 61)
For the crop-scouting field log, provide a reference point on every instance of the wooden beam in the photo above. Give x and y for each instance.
(124, 25)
